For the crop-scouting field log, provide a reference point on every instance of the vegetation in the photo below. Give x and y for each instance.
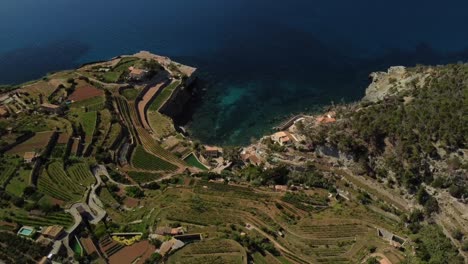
(15, 249)
(142, 177)
(434, 247)
(143, 160)
(163, 96)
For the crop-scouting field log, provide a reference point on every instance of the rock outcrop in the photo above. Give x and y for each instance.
(395, 80)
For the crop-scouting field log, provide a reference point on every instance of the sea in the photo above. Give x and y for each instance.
(259, 61)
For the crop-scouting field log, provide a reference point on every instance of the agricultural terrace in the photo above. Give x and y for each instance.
(64, 185)
(339, 232)
(19, 182)
(103, 128)
(144, 160)
(147, 97)
(165, 94)
(161, 124)
(115, 74)
(37, 143)
(112, 136)
(60, 148)
(88, 123)
(85, 92)
(61, 218)
(8, 167)
(44, 88)
(211, 251)
(129, 114)
(143, 177)
(130, 94)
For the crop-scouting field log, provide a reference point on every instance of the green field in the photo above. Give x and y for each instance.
(88, 123)
(142, 177)
(112, 136)
(130, 93)
(18, 183)
(163, 96)
(81, 174)
(115, 73)
(59, 151)
(144, 160)
(111, 76)
(193, 161)
(91, 104)
(63, 219)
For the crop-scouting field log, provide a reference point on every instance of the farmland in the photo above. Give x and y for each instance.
(130, 93)
(37, 143)
(86, 92)
(336, 234)
(88, 123)
(142, 177)
(211, 251)
(112, 136)
(8, 167)
(63, 219)
(143, 160)
(19, 182)
(65, 185)
(163, 96)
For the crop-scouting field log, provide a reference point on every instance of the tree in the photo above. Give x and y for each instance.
(372, 260)
(155, 258)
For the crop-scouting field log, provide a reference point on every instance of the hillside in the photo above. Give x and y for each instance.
(90, 159)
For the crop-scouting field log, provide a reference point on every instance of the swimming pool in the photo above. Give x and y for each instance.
(26, 231)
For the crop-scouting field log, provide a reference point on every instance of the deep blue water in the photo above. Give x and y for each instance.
(259, 60)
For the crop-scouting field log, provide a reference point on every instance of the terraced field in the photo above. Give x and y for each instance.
(57, 183)
(335, 234)
(63, 219)
(144, 160)
(163, 96)
(88, 123)
(81, 174)
(112, 136)
(6, 172)
(211, 251)
(130, 116)
(142, 177)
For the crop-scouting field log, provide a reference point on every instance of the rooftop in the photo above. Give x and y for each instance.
(52, 231)
(29, 155)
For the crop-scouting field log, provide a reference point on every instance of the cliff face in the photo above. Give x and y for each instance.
(395, 80)
(175, 105)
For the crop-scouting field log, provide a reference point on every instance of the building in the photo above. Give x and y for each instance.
(137, 74)
(283, 138)
(329, 117)
(4, 112)
(29, 156)
(281, 188)
(53, 232)
(212, 152)
(50, 108)
(250, 156)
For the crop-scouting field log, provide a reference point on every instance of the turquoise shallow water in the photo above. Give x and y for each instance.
(259, 61)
